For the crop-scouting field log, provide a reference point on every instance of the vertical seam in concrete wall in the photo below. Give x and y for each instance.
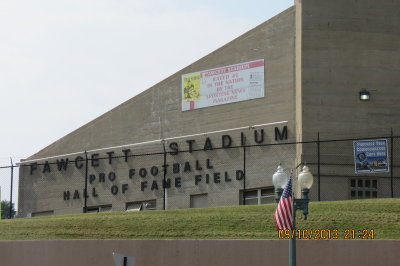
(298, 79)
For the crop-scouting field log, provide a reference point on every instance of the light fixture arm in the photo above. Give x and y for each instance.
(301, 204)
(278, 194)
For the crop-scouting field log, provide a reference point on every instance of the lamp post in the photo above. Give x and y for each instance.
(305, 180)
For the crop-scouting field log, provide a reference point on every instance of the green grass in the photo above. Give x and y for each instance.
(238, 222)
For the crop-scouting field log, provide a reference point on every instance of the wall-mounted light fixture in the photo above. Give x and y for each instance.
(364, 95)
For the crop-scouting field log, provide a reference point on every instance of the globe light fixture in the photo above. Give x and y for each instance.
(279, 179)
(305, 178)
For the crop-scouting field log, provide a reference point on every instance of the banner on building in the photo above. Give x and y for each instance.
(371, 156)
(229, 84)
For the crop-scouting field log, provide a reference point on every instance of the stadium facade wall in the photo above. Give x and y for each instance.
(318, 55)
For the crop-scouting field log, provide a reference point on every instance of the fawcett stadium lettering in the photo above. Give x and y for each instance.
(203, 173)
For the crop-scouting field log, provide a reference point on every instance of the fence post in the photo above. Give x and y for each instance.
(165, 178)
(86, 181)
(244, 167)
(391, 161)
(11, 189)
(319, 169)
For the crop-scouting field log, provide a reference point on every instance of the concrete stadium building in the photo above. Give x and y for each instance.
(181, 143)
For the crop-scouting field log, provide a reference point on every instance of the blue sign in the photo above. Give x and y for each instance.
(371, 156)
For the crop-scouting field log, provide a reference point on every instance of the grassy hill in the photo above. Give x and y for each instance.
(238, 222)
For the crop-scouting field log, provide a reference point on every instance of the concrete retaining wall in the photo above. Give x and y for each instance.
(199, 252)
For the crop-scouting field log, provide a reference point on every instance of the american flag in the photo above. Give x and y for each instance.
(283, 216)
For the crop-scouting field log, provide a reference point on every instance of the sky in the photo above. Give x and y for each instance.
(63, 63)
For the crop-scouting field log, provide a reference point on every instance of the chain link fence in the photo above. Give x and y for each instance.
(338, 174)
(8, 188)
(210, 170)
